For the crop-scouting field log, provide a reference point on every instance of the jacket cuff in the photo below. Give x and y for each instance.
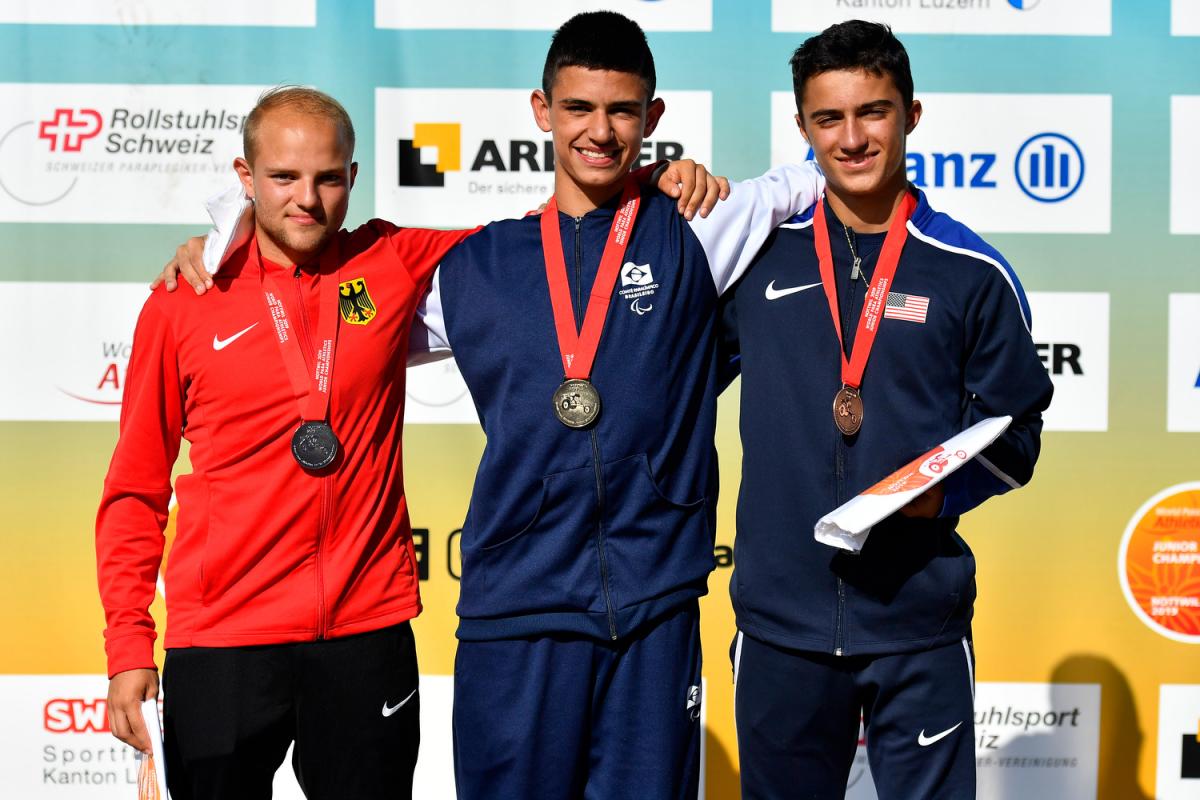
(959, 497)
(135, 651)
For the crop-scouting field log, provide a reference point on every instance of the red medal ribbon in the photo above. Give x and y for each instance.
(312, 391)
(881, 284)
(578, 349)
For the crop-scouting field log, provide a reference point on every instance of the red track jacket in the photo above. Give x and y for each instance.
(265, 552)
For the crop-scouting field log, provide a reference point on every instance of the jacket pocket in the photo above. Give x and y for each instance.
(654, 544)
(548, 564)
(193, 499)
(505, 538)
(913, 580)
(184, 574)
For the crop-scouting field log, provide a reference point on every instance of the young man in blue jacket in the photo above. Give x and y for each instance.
(587, 338)
(869, 330)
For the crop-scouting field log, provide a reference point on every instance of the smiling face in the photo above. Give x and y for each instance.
(857, 124)
(598, 119)
(300, 182)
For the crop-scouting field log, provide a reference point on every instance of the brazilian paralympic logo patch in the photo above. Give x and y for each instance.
(355, 303)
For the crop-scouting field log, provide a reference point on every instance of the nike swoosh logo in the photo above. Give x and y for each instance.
(925, 741)
(221, 344)
(387, 712)
(775, 294)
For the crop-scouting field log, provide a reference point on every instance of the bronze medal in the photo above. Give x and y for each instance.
(576, 403)
(847, 403)
(848, 410)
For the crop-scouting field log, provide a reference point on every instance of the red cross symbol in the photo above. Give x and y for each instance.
(70, 130)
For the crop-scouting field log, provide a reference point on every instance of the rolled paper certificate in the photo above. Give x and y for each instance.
(848, 526)
(152, 775)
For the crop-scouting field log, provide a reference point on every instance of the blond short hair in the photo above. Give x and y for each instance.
(301, 100)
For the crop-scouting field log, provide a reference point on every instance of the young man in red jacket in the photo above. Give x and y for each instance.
(292, 577)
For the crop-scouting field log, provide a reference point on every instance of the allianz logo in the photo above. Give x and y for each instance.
(1048, 168)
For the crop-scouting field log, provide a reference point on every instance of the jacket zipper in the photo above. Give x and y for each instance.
(600, 494)
(323, 526)
(839, 630)
(325, 511)
(612, 620)
(840, 472)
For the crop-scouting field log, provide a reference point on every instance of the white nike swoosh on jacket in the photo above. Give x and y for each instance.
(221, 344)
(774, 294)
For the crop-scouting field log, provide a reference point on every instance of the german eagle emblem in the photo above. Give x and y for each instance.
(354, 301)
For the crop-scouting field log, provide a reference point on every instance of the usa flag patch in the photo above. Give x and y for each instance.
(910, 307)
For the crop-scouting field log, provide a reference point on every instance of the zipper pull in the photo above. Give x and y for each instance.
(297, 274)
(856, 270)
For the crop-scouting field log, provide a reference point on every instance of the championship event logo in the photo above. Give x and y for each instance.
(919, 472)
(1159, 563)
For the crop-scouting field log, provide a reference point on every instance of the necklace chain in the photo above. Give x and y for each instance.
(856, 269)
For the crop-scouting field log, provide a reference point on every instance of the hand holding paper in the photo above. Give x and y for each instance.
(848, 526)
(152, 775)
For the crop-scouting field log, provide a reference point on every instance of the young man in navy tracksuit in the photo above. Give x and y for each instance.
(589, 536)
(826, 634)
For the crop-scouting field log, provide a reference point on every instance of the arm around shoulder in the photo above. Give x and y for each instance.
(737, 228)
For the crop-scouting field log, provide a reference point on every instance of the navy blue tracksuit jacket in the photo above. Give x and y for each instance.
(597, 531)
(913, 585)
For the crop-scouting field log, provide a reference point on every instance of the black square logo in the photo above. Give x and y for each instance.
(1190, 757)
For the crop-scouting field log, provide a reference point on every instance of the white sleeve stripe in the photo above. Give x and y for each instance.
(915, 231)
(970, 665)
(737, 662)
(428, 339)
(431, 310)
(999, 473)
(795, 226)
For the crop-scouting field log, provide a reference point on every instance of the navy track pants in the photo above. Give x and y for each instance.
(564, 717)
(798, 714)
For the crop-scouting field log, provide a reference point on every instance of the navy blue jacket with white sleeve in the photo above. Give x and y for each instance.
(597, 531)
(954, 348)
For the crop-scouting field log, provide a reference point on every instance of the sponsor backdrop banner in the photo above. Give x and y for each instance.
(1062, 130)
